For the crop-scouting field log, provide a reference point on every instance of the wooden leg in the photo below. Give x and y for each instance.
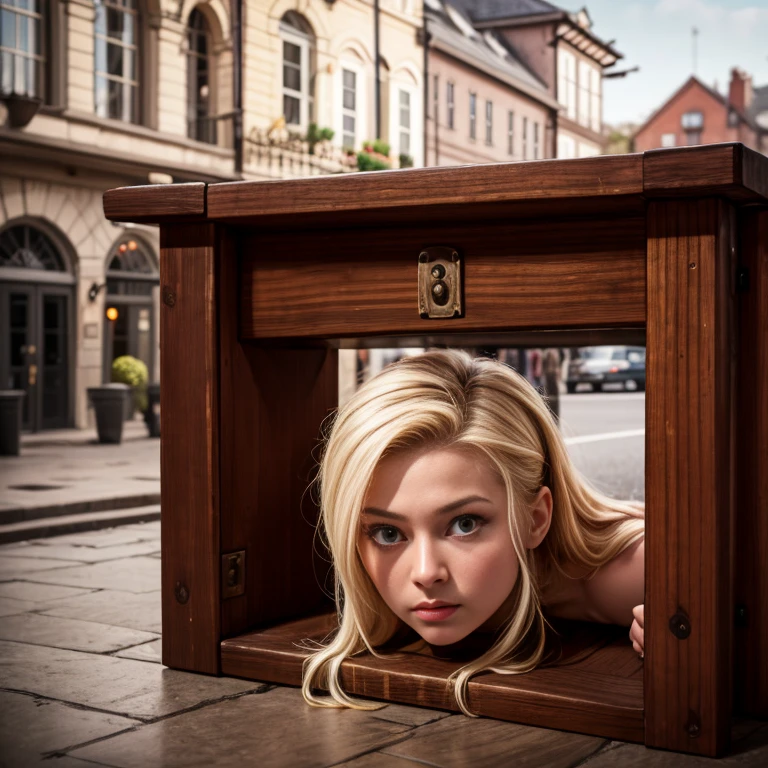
(689, 483)
(189, 448)
(751, 592)
(273, 403)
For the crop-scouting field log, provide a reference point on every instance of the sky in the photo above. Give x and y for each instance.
(655, 35)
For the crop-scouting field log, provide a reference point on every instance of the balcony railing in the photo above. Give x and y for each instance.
(294, 157)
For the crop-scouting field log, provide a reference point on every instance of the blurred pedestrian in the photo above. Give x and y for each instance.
(550, 365)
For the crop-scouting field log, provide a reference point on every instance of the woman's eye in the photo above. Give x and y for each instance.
(463, 526)
(386, 535)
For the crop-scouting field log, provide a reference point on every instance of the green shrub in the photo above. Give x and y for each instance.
(367, 161)
(381, 147)
(131, 371)
(315, 135)
(406, 161)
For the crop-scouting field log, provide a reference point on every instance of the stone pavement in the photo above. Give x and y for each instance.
(64, 481)
(81, 684)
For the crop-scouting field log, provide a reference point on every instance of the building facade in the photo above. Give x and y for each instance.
(485, 106)
(561, 50)
(96, 94)
(698, 114)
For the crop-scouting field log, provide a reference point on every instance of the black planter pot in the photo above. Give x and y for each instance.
(10, 421)
(152, 414)
(109, 403)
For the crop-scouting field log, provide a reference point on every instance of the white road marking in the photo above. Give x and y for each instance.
(604, 436)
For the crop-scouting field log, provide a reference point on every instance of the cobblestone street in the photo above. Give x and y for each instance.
(81, 684)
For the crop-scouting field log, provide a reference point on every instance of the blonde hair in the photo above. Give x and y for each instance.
(448, 399)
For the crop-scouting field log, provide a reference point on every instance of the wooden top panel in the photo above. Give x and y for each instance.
(155, 202)
(730, 170)
(425, 188)
(605, 185)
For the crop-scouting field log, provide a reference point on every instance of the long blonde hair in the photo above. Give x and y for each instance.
(446, 398)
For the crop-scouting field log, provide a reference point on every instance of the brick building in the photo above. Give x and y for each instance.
(698, 114)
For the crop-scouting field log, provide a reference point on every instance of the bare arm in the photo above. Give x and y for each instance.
(618, 587)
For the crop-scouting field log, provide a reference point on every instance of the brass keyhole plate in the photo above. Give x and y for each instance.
(440, 286)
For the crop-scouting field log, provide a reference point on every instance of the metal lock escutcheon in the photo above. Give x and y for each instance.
(440, 285)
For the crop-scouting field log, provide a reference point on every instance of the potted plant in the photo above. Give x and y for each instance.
(132, 371)
(374, 157)
(109, 403)
(406, 161)
(317, 135)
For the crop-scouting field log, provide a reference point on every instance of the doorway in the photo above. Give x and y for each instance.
(36, 351)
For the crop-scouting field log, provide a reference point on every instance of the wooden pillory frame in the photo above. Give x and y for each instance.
(263, 281)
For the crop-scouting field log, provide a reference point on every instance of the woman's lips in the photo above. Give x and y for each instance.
(439, 613)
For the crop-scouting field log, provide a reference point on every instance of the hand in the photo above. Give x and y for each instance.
(636, 632)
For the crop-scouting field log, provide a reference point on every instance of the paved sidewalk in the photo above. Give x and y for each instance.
(69, 473)
(81, 684)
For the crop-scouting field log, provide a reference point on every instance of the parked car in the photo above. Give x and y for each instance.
(607, 365)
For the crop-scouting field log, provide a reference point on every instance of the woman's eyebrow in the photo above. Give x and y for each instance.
(452, 507)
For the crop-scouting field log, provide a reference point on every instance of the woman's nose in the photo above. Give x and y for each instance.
(429, 567)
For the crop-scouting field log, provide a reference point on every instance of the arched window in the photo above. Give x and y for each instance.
(30, 248)
(116, 49)
(201, 123)
(298, 70)
(22, 47)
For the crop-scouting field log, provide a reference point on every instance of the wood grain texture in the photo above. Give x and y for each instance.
(689, 466)
(189, 458)
(273, 402)
(355, 283)
(154, 203)
(730, 170)
(592, 699)
(422, 188)
(751, 592)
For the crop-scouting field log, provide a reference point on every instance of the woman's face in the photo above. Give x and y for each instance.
(435, 541)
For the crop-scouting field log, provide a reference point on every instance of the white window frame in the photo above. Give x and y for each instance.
(510, 133)
(584, 93)
(361, 127)
(595, 112)
(566, 147)
(566, 82)
(289, 35)
(473, 115)
(401, 129)
(347, 112)
(450, 102)
(536, 140)
(668, 139)
(525, 137)
(489, 122)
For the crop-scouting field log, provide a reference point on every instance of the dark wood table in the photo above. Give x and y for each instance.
(262, 282)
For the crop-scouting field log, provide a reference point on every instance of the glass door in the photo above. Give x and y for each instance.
(18, 366)
(54, 357)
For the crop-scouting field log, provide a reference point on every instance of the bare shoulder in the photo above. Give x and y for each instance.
(618, 586)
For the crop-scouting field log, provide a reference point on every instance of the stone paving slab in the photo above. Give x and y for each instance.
(271, 729)
(121, 609)
(79, 552)
(152, 651)
(120, 686)
(130, 574)
(459, 741)
(13, 567)
(111, 537)
(38, 593)
(9, 607)
(57, 727)
(70, 633)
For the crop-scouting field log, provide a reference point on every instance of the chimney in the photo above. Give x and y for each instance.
(740, 90)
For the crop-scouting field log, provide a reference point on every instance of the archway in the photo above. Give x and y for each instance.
(130, 328)
(37, 300)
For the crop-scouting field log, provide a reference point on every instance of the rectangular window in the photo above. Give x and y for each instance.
(22, 64)
(668, 140)
(535, 141)
(436, 98)
(525, 138)
(450, 104)
(292, 83)
(116, 59)
(566, 82)
(595, 112)
(584, 95)
(489, 123)
(566, 147)
(405, 123)
(510, 133)
(472, 115)
(349, 108)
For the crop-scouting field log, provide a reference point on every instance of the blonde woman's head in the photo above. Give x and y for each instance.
(440, 479)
